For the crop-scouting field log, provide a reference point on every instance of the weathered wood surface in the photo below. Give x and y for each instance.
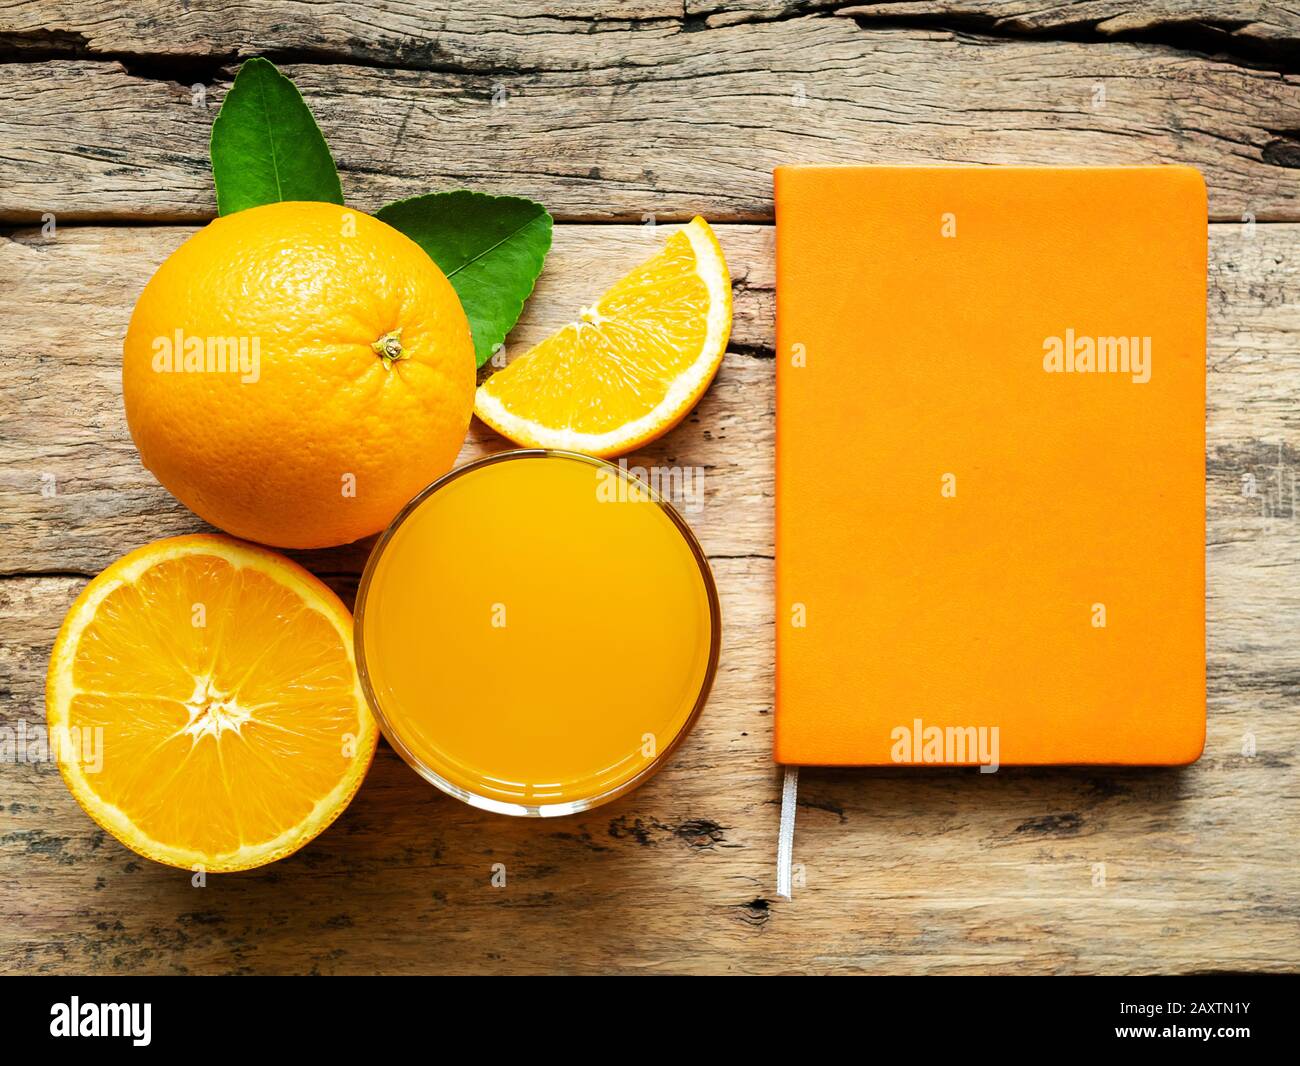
(677, 109)
(932, 872)
(646, 113)
(396, 35)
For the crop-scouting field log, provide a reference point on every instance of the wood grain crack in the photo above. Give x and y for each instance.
(1283, 150)
(1221, 39)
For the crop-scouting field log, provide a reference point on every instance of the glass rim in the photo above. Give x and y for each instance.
(489, 803)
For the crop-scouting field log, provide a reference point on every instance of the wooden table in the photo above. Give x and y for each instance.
(615, 115)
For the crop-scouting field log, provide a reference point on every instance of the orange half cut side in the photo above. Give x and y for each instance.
(204, 705)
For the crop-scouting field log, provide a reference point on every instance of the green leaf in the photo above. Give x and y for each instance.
(490, 247)
(266, 147)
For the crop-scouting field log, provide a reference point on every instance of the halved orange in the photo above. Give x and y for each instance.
(204, 704)
(632, 366)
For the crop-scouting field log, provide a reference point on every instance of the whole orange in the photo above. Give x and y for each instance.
(296, 372)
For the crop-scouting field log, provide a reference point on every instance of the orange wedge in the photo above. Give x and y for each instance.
(631, 367)
(204, 705)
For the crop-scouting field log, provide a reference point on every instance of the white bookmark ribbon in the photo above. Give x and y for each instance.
(785, 836)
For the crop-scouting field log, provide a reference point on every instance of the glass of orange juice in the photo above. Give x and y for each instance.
(536, 632)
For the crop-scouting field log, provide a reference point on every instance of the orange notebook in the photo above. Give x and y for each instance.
(990, 473)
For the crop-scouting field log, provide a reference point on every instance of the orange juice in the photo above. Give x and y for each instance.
(536, 631)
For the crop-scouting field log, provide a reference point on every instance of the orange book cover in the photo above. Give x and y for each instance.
(990, 465)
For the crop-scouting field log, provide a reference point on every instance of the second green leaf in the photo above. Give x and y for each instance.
(490, 247)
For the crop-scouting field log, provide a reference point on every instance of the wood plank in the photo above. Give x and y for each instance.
(63, 431)
(930, 872)
(650, 115)
(403, 36)
(75, 494)
(1248, 27)
(409, 35)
